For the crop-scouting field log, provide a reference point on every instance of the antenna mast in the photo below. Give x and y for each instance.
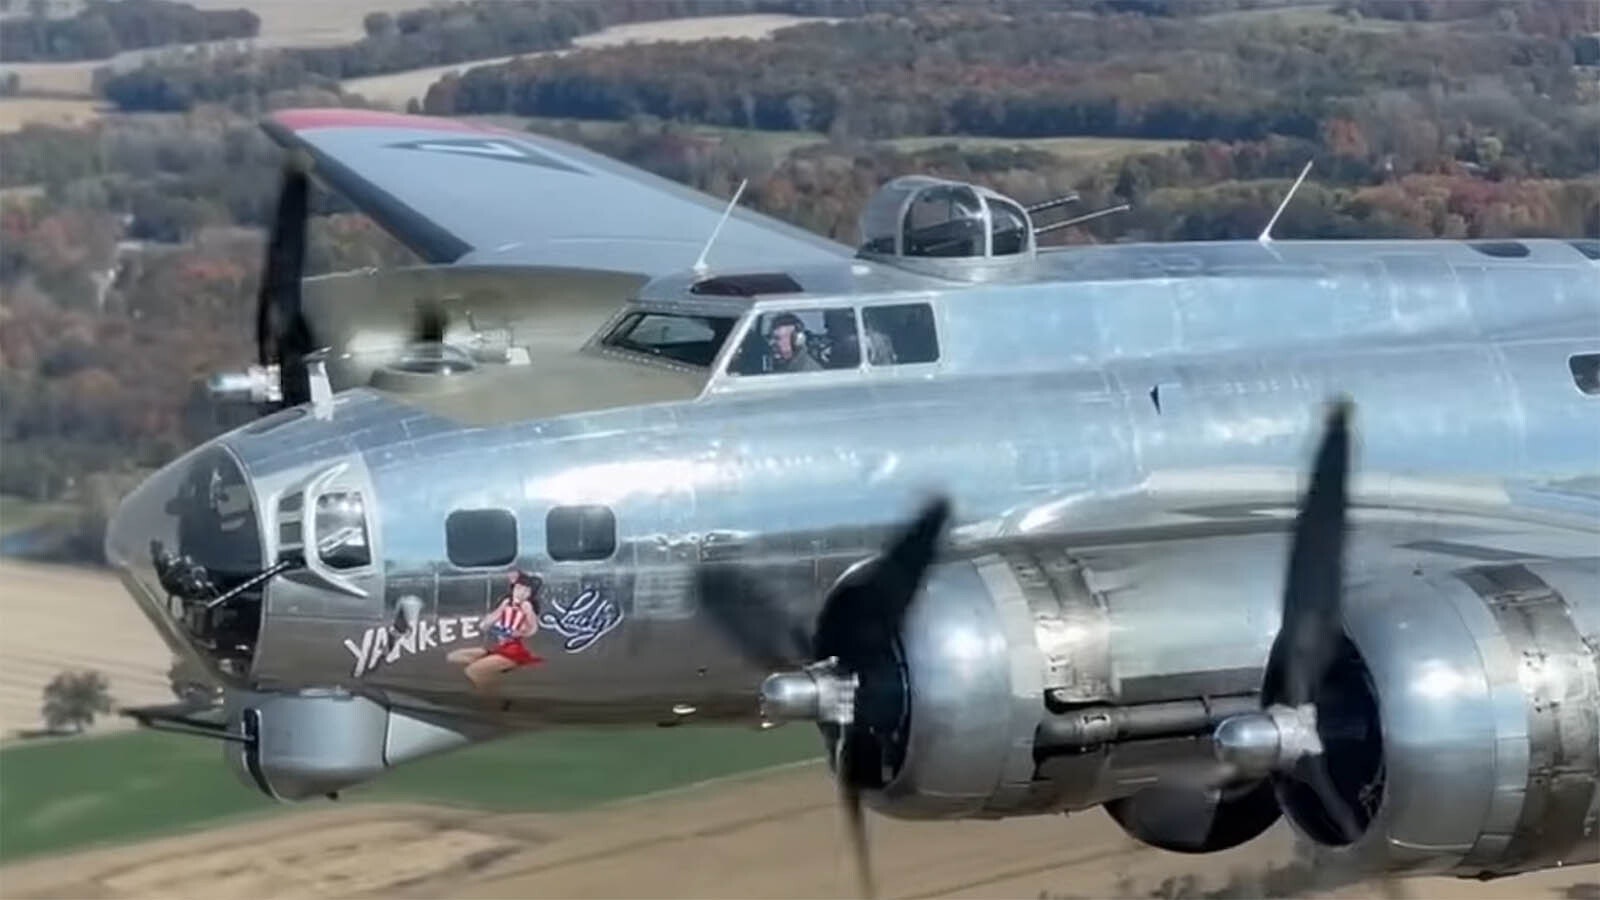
(700, 264)
(1265, 237)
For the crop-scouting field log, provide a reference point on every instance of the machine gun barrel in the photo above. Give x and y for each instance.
(1054, 202)
(1078, 220)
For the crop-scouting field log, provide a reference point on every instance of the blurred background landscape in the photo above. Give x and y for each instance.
(134, 183)
(135, 186)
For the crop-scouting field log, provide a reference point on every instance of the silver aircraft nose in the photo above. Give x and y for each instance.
(185, 538)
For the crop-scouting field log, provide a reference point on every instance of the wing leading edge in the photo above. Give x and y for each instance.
(460, 192)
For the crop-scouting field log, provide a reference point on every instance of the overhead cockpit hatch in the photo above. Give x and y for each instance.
(920, 218)
(752, 284)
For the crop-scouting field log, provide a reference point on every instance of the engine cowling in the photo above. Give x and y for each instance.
(1003, 692)
(1460, 720)
(1461, 724)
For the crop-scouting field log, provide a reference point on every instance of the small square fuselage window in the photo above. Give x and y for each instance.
(480, 538)
(580, 532)
(1585, 368)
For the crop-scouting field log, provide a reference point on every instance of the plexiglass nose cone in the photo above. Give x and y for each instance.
(183, 537)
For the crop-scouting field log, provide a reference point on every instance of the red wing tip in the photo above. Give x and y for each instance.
(340, 117)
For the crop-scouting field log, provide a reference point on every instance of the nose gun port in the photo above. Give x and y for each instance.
(188, 545)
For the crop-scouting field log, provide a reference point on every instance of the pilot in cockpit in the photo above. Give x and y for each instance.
(788, 346)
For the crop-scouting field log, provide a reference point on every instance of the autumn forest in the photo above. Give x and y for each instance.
(129, 247)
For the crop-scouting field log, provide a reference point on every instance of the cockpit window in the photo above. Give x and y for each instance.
(342, 531)
(900, 334)
(694, 340)
(808, 340)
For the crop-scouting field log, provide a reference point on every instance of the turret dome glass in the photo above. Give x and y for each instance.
(921, 217)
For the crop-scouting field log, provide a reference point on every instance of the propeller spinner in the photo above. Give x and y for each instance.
(845, 677)
(1293, 738)
(848, 678)
(286, 349)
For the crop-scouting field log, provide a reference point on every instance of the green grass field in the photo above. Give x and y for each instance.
(778, 143)
(1067, 148)
(781, 143)
(19, 514)
(1312, 15)
(67, 794)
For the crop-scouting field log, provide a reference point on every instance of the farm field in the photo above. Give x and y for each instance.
(16, 112)
(66, 81)
(1088, 149)
(1318, 15)
(396, 88)
(772, 833)
(54, 618)
(311, 23)
(781, 143)
(68, 793)
(284, 23)
(20, 514)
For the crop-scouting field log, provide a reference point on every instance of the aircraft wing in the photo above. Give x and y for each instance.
(1212, 536)
(1514, 518)
(461, 192)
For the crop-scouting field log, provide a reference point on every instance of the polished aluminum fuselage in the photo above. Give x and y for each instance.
(1116, 378)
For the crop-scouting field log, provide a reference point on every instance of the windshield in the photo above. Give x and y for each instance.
(693, 340)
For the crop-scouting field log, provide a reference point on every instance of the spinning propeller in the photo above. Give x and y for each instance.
(1301, 747)
(283, 338)
(845, 676)
(1311, 739)
(1302, 707)
(285, 344)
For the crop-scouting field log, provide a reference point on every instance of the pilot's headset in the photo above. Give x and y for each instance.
(799, 330)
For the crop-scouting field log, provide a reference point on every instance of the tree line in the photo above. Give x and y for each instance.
(130, 251)
(1036, 73)
(431, 36)
(104, 28)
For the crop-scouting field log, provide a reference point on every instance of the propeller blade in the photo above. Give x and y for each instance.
(854, 818)
(748, 614)
(862, 611)
(882, 591)
(1312, 771)
(282, 336)
(1312, 624)
(430, 323)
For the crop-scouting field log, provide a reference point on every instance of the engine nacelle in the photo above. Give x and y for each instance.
(1480, 750)
(1007, 694)
(1461, 722)
(319, 742)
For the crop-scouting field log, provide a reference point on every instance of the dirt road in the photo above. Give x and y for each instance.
(771, 835)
